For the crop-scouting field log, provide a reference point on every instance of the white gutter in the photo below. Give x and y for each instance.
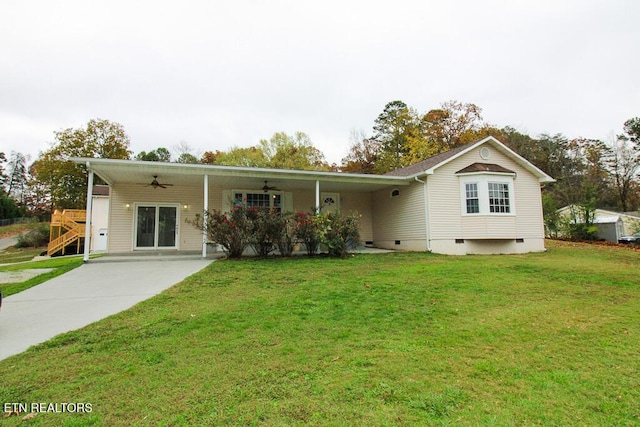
(242, 172)
(426, 213)
(87, 223)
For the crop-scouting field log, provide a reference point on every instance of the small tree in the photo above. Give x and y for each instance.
(581, 224)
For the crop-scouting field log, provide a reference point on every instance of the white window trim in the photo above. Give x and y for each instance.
(135, 226)
(483, 179)
(270, 193)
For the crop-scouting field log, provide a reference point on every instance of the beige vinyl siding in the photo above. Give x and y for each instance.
(445, 203)
(399, 218)
(304, 201)
(359, 203)
(121, 228)
(121, 219)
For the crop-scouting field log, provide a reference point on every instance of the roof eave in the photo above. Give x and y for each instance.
(543, 178)
(241, 171)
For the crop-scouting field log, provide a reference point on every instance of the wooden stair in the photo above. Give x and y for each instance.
(67, 232)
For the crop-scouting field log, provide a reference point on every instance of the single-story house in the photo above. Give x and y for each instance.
(611, 225)
(480, 198)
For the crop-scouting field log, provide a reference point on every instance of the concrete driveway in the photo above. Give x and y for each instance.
(7, 242)
(84, 295)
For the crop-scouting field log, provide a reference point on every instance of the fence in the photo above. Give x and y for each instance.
(10, 221)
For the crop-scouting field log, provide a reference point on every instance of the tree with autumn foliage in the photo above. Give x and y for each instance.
(65, 181)
(281, 151)
(362, 156)
(403, 137)
(394, 129)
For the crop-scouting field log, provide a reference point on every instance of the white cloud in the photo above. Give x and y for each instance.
(221, 74)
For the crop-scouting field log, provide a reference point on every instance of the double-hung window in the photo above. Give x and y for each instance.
(471, 197)
(499, 197)
(257, 199)
(486, 194)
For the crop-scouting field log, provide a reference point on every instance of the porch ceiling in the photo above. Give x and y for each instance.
(137, 172)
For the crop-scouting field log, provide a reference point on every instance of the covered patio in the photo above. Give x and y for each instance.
(182, 191)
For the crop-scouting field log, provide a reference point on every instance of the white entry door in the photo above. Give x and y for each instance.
(101, 240)
(330, 202)
(156, 227)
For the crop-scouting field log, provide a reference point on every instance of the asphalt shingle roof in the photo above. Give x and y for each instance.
(429, 163)
(485, 167)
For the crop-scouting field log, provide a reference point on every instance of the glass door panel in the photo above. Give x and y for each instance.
(156, 227)
(146, 232)
(167, 226)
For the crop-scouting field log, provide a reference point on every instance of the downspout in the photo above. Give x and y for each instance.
(87, 222)
(317, 197)
(205, 215)
(426, 212)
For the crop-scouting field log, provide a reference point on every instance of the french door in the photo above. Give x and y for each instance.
(156, 227)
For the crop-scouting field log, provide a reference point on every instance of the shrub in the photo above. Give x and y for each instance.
(230, 230)
(265, 229)
(268, 229)
(36, 237)
(580, 224)
(287, 229)
(307, 231)
(339, 232)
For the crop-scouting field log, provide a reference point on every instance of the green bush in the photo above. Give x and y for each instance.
(230, 230)
(339, 232)
(36, 237)
(266, 229)
(308, 231)
(287, 230)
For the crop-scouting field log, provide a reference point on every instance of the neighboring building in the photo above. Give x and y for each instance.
(611, 225)
(478, 198)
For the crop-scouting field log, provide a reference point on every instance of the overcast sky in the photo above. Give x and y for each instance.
(221, 74)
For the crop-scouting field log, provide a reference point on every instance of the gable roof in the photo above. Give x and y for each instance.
(429, 166)
(424, 165)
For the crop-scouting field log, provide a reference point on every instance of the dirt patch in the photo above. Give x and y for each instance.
(22, 275)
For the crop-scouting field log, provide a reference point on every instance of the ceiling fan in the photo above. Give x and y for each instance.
(156, 184)
(266, 188)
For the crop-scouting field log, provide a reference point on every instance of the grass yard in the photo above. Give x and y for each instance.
(396, 339)
(60, 265)
(13, 229)
(14, 255)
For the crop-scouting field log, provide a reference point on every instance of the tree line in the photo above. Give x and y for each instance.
(588, 172)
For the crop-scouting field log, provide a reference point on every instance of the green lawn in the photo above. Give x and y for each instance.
(59, 265)
(396, 339)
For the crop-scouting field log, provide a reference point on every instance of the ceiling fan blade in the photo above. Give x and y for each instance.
(267, 187)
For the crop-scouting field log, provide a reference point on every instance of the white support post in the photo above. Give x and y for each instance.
(317, 197)
(204, 216)
(87, 225)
